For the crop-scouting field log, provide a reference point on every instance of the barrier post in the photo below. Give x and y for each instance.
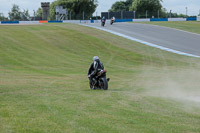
(146, 13)
(134, 14)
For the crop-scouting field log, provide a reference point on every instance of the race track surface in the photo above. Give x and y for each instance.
(167, 37)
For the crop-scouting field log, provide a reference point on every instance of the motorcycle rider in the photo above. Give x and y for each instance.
(95, 67)
(113, 19)
(103, 19)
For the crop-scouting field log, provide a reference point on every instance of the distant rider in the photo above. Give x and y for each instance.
(113, 19)
(103, 19)
(95, 67)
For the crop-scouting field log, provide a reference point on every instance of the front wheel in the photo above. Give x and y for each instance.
(111, 22)
(103, 83)
(91, 86)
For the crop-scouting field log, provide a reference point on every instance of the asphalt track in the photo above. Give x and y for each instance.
(166, 37)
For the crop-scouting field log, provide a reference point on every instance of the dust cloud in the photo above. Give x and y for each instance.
(182, 85)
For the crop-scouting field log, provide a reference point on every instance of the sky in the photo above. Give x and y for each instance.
(177, 6)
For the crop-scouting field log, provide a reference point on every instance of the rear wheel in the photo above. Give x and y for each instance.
(104, 83)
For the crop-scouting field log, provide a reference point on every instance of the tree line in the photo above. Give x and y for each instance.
(15, 14)
(142, 7)
(77, 8)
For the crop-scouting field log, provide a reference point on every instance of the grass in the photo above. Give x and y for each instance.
(191, 26)
(44, 85)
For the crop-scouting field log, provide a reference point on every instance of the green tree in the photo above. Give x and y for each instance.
(76, 7)
(118, 6)
(25, 15)
(53, 5)
(38, 12)
(2, 17)
(128, 4)
(142, 6)
(15, 13)
(121, 6)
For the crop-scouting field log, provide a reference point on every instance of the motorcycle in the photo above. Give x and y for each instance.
(111, 21)
(103, 23)
(100, 81)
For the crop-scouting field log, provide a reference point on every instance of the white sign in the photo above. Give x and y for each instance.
(60, 10)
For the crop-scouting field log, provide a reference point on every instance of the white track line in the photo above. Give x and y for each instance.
(141, 41)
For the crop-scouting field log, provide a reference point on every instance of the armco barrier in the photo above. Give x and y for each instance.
(28, 22)
(99, 21)
(55, 21)
(71, 21)
(159, 19)
(141, 20)
(43, 21)
(176, 19)
(123, 20)
(85, 21)
(9, 22)
(192, 19)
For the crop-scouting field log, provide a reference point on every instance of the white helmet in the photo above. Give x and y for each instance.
(95, 58)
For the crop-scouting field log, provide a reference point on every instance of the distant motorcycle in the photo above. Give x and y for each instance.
(101, 81)
(112, 21)
(103, 22)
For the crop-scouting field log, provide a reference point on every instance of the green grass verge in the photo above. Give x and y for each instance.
(44, 85)
(191, 26)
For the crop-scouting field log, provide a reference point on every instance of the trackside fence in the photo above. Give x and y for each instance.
(98, 21)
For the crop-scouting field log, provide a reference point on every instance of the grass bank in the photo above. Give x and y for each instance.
(44, 85)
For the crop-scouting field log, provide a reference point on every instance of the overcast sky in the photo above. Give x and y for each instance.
(178, 6)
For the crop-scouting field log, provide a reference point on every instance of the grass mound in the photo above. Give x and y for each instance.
(44, 85)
